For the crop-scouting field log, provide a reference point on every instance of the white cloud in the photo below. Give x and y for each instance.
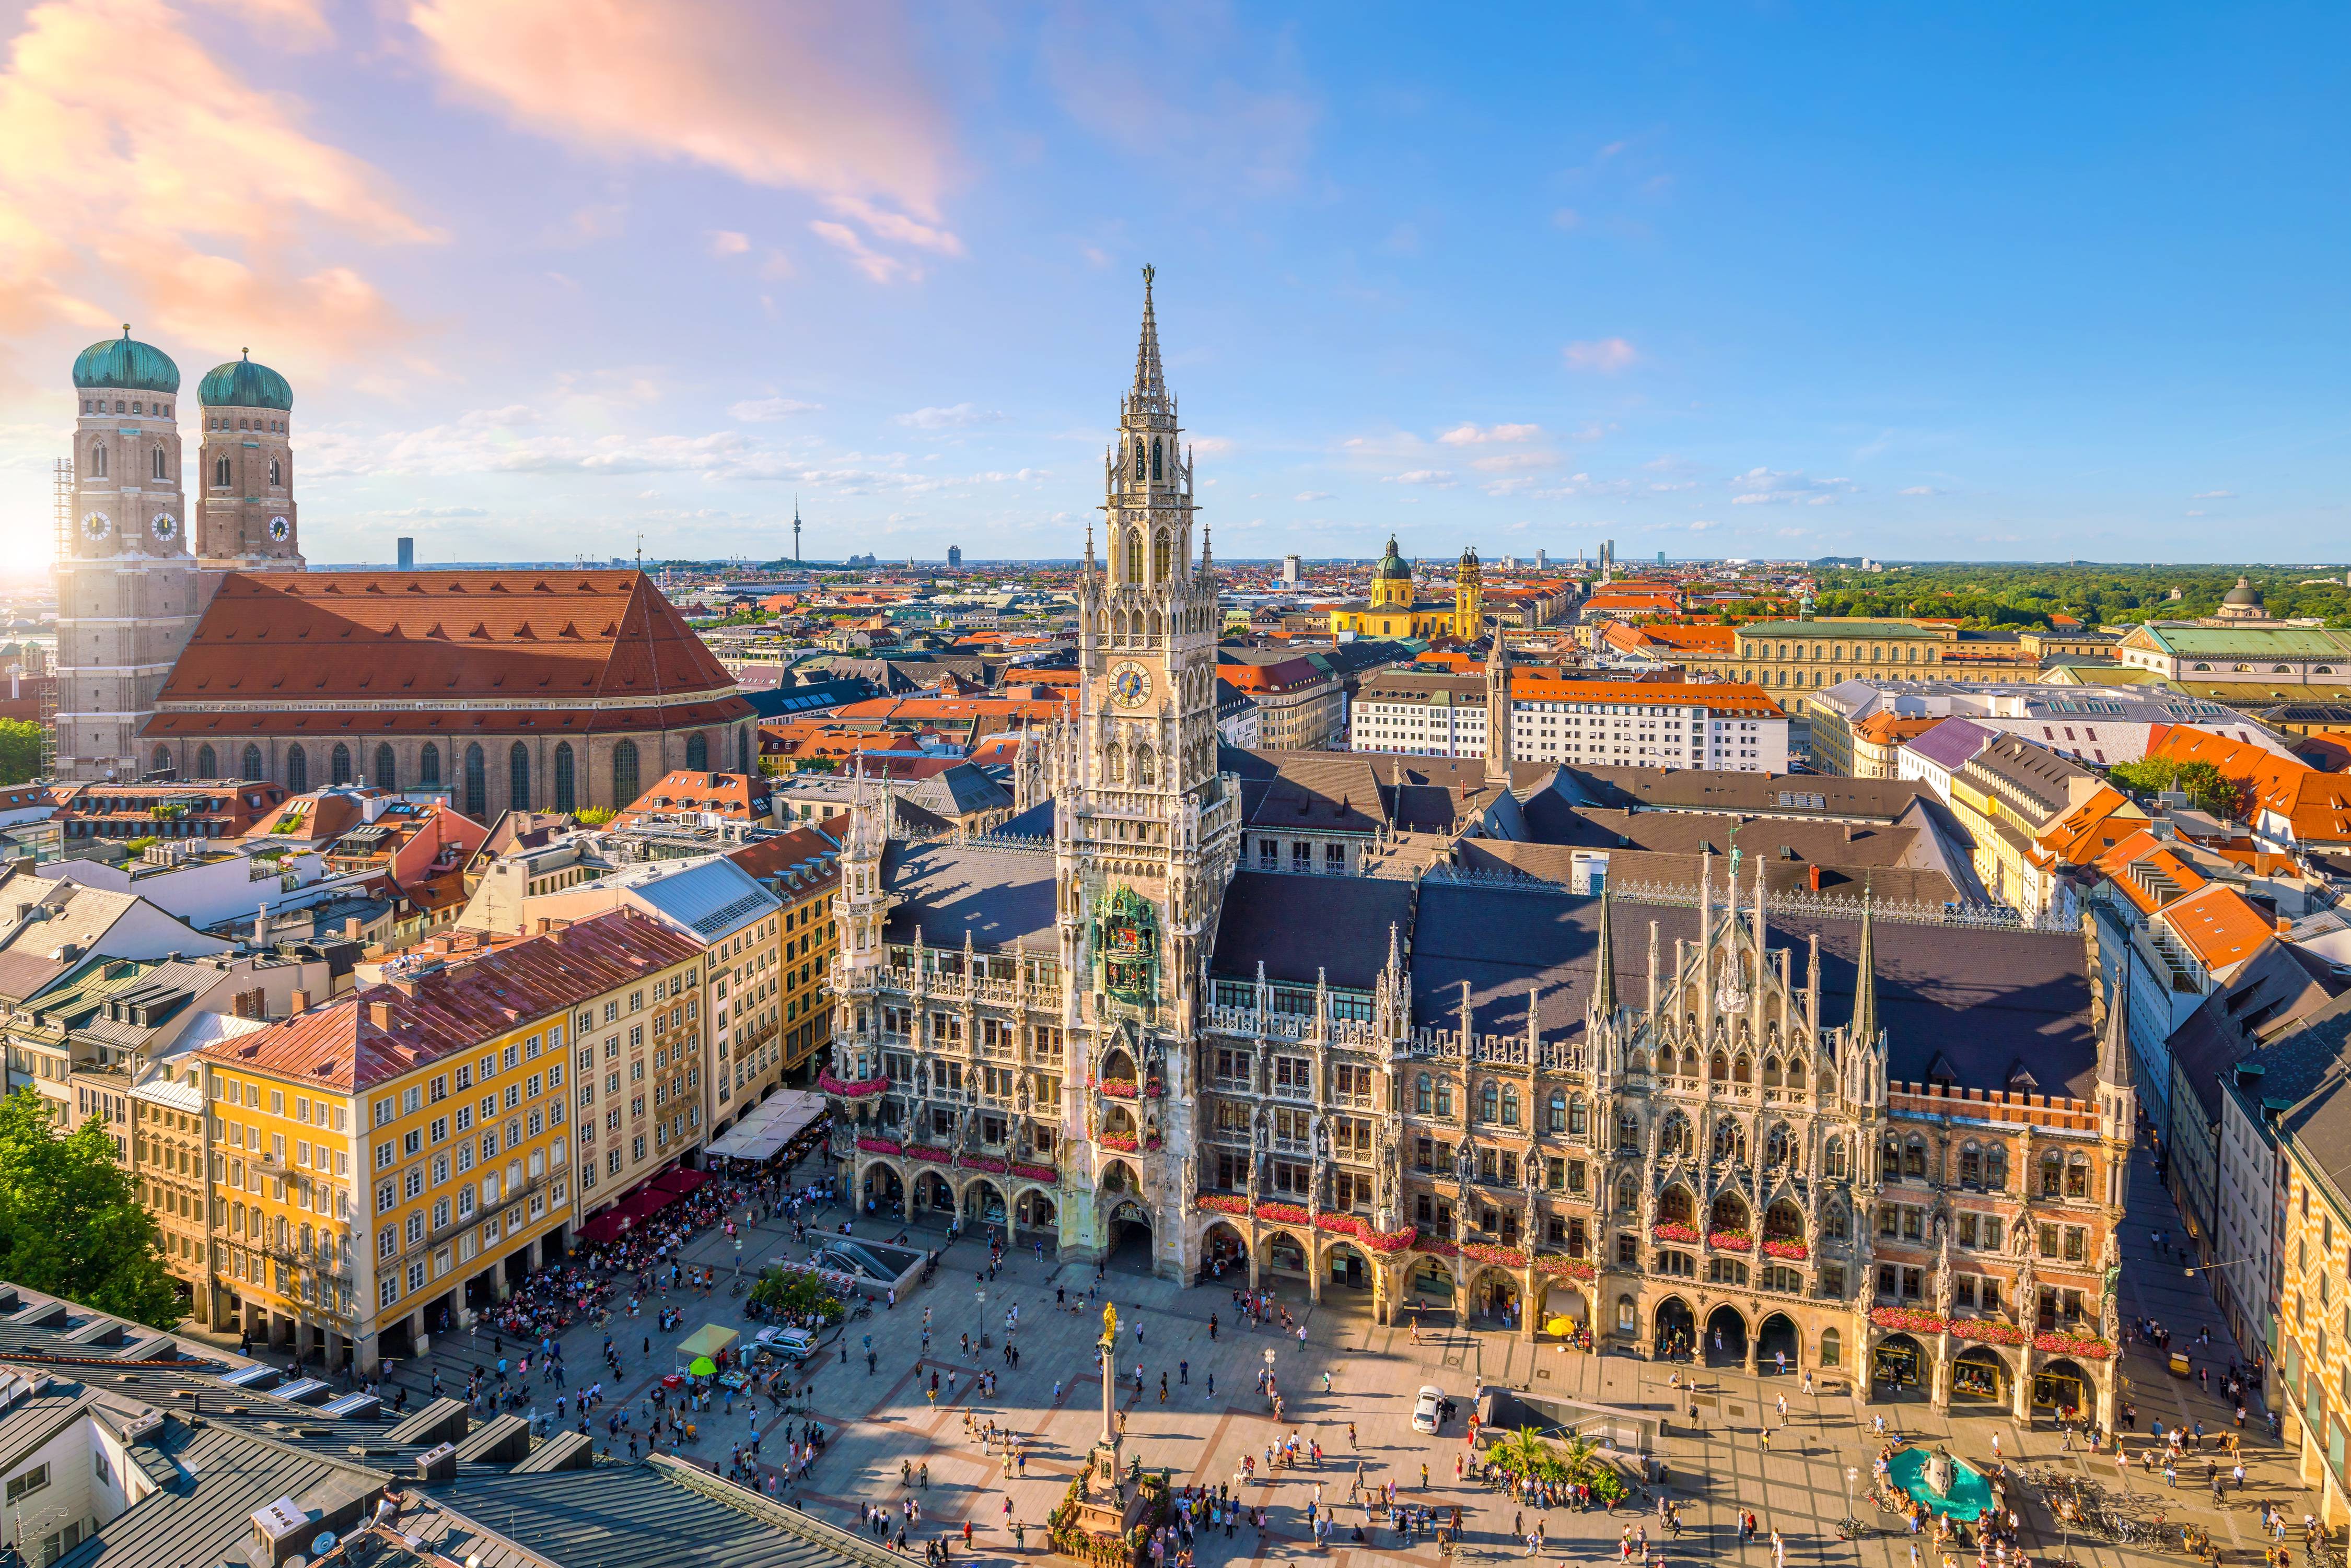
(726, 242)
(1213, 445)
(1566, 218)
(1702, 526)
(1503, 461)
(954, 418)
(1312, 495)
(1919, 490)
(1475, 436)
(758, 410)
(2213, 496)
(1762, 486)
(1439, 478)
(881, 268)
(437, 512)
(2196, 511)
(1605, 355)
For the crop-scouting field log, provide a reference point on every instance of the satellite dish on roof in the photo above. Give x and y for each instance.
(323, 1544)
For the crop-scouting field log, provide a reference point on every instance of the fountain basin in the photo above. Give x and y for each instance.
(1969, 1499)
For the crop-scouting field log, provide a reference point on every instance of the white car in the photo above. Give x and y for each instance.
(1425, 1409)
(785, 1341)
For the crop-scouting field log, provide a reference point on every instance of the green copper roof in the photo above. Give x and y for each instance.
(126, 363)
(240, 383)
(1830, 629)
(1390, 564)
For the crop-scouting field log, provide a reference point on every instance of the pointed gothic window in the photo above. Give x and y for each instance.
(1154, 458)
(1146, 769)
(565, 799)
(478, 784)
(163, 768)
(161, 472)
(698, 752)
(428, 764)
(275, 473)
(97, 462)
(220, 472)
(206, 768)
(251, 770)
(625, 774)
(298, 770)
(1113, 764)
(339, 764)
(1133, 566)
(1138, 457)
(1162, 557)
(519, 778)
(387, 768)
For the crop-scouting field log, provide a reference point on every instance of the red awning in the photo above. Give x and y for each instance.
(680, 1181)
(605, 1226)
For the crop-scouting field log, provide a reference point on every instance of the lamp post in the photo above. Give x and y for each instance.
(739, 1263)
(1270, 1396)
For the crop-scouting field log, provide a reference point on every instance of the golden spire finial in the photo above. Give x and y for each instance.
(1110, 1321)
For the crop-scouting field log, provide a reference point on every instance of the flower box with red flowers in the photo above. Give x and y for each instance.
(925, 1152)
(1281, 1213)
(1668, 1230)
(1731, 1240)
(1564, 1267)
(1035, 1172)
(848, 1089)
(1437, 1249)
(1151, 1141)
(1387, 1241)
(2088, 1346)
(1908, 1319)
(1345, 1224)
(881, 1146)
(1484, 1252)
(1223, 1202)
(1795, 1250)
(1991, 1330)
(988, 1163)
(1154, 1089)
(1118, 1088)
(1123, 1142)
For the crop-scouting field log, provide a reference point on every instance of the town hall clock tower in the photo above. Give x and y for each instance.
(1146, 833)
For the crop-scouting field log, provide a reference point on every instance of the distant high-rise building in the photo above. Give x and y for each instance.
(407, 555)
(1293, 570)
(955, 557)
(1543, 559)
(1661, 558)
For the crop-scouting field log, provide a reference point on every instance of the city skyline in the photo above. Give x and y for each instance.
(1488, 297)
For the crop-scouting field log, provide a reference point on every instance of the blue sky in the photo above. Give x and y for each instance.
(1758, 280)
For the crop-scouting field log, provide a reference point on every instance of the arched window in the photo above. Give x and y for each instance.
(1970, 1164)
(1729, 1141)
(387, 767)
(1625, 1193)
(275, 473)
(625, 774)
(565, 799)
(98, 461)
(519, 778)
(1138, 457)
(161, 472)
(1146, 765)
(1795, 1072)
(297, 769)
(1674, 1138)
(339, 764)
(1839, 1223)
(1833, 1159)
(251, 770)
(1420, 1095)
(162, 762)
(2077, 1176)
(206, 768)
(1914, 1157)
(1832, 1348)
(1558, 1119)
(476, 783)
(2053, 1173)
(743, 751)
(1489, 1101)
(1445, 1096)
(1510, 1104)
(1155, 472)
(1996, 1168)
(1719, 1068)
(698, 752)
(220, 472)
(428, 764)
(1162, 557)
(1113, 764)
(1780, 1148)
(1132, 568)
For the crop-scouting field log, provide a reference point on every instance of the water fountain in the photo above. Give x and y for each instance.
(1943, 1483)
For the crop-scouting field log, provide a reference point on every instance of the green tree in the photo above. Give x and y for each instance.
(2207, 787)
(70, 1222)
(20, 751)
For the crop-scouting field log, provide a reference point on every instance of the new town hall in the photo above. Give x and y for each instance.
(1724, 1114)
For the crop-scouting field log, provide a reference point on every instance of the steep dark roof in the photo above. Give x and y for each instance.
(1294, 925)
(1003, 897)
(2276, 988)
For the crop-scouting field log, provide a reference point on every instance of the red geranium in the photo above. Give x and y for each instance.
(1795, 1250)
(1909, 1319)
(2086, 1345)
(881, 1146)
(1670, 1230)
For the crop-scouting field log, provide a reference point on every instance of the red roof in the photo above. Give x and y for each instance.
(446, 638)
(393, 1027)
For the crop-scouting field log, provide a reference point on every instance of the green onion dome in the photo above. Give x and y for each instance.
(126, 363)
(1390, 564)
(240, 383)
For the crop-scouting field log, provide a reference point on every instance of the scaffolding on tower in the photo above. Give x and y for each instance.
(61, 485)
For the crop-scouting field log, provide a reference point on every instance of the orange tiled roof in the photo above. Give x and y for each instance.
(2317, 805)
(2218, 926)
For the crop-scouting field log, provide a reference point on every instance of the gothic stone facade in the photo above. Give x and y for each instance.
(1886, 1146)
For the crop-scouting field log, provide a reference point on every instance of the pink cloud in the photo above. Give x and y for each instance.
(1606, 355)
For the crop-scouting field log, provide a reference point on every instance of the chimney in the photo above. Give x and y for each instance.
(299, 1003)
(351, 928)
(378, 1014)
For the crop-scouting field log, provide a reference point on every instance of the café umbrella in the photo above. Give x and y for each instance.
(702, 1367)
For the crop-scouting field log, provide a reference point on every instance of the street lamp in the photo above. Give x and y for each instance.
(738, 1265)
(2195, 1269)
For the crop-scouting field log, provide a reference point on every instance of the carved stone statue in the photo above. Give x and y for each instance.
(1530, 1175)
(2020, 1237)
(922, 1079)
(1465, 1162)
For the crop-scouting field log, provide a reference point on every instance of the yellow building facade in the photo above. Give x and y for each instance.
(1393, 612)
(388, 1164)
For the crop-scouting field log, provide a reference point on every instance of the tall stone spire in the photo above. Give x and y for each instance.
(1150, 382)
(1863, 1030)
(1604, 960)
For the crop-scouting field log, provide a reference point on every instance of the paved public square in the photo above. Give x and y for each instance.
(883, 1418)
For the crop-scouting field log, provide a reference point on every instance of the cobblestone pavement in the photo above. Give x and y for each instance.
(883, 1418)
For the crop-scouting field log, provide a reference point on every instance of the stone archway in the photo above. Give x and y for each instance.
(1981, 1376)
(1223, 1250)
(1127, 1235)
(1037, 1209)
(1346, 1268)
(880, 1191)
(2062, 1385)
(1495, 1297)
(1675, 1329)
(981, 1203)
(1284, 1253)
(933, 1197)
(1564, 1303)
(1899, 1367)
(1725, 1337)
(1777, 1346)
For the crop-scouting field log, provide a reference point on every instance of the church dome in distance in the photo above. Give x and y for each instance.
(126, 363)
(240, 383)
(1390, 564)
(2243, 593)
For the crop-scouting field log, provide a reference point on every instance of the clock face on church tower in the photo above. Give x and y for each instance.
(96, 525)
(1130, 684)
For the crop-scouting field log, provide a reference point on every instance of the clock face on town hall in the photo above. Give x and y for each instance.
(1129, 683)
